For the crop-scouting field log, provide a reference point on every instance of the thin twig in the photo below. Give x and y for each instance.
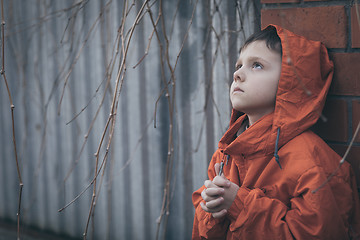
(341, 161)
(148, 46)
(12, 117)
(75, 61)
(165, 209)
(108, 75)
(125, 43)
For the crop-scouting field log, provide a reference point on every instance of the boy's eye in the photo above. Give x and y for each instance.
(257, 65)
(237, 67)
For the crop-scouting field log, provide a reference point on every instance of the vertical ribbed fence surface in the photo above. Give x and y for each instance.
(119, 103)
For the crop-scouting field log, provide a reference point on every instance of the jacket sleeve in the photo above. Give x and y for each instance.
(254, 215)
(205, 226)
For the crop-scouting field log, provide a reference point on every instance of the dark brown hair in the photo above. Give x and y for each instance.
(269, 35)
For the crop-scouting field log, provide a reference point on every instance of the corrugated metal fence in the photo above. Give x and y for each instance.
(73, 67)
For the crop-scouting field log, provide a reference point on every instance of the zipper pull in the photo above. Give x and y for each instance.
(222, 163)
(221, 168)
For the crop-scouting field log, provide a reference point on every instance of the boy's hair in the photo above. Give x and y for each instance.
(269, 35)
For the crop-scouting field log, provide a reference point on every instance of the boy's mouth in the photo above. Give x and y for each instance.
(237, 89)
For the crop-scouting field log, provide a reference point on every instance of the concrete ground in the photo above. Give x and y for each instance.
(8, 231)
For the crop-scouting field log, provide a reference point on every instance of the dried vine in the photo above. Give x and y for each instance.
(12, 106)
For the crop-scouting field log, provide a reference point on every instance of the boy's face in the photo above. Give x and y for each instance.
(256, 79)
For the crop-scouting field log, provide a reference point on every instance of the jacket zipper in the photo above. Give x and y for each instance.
(222, 163)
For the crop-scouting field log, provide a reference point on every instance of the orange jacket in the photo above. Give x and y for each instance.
(275, 199)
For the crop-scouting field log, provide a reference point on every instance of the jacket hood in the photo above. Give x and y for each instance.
(305, 79)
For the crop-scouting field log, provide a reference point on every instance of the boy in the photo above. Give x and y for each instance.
(268, 164)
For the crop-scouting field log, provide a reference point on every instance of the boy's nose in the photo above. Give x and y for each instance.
(239, 76)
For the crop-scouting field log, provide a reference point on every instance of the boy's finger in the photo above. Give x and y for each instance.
(213, 204)
(217, 168)
(207, 209)
(204, 207)
(214, 192)
(205, 196)
(221, 182)
(219, 214)
(209, 184)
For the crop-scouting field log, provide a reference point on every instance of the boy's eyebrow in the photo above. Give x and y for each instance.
(252, 59)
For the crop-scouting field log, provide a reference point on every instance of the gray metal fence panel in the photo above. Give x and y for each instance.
(62, 61)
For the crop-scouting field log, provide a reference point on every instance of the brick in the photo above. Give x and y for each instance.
(321, 0)
(335, 128)
(280, 1)
(327, 24)
(292, 1)
(352, 158)
(355, 27)
(346, 79)
(356, 117)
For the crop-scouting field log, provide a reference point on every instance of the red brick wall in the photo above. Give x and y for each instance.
(337, 25)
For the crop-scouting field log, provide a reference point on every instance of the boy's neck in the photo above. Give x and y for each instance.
(253, 118)
(245, 125)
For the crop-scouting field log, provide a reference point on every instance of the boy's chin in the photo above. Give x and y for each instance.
(236, 107)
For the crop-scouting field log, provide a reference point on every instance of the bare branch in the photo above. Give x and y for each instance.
(341, 161)
(12, 116)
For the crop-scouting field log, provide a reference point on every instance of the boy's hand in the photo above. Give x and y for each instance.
(213, 197)
(218, 195)
(230, 191)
